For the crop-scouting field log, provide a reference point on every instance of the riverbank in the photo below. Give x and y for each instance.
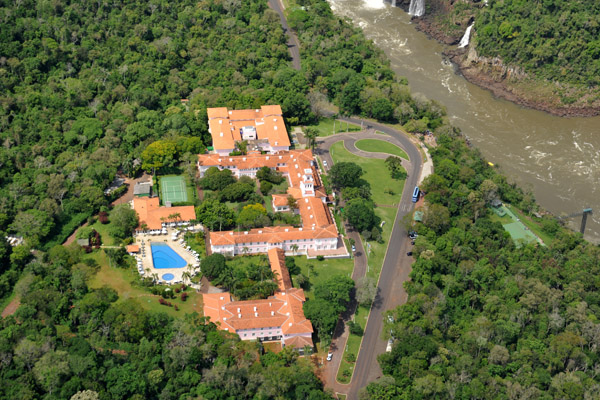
(445, 24)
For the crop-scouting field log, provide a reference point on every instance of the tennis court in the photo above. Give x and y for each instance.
(173, 189)
(517, 230)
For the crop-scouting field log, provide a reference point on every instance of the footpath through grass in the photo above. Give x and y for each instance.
(380, 146)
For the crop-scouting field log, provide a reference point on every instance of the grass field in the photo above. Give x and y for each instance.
(352, 345)
(381, 146)
(173, 188)
(123, 281)
(323, 270)
(103, 230)
(376, 173)
(326, 127)
(374, 170)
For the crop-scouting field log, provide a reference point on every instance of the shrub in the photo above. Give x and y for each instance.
(350, 357)
(265, 187)
(320, 258)
(103, 217)
(184, 296)
(355, 328)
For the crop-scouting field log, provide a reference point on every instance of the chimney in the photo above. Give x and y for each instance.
(239, 315)
(256, 314)
(254, 309)
(272, 313)
(239, 310)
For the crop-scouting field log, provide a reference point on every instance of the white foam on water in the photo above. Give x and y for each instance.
(374, 4)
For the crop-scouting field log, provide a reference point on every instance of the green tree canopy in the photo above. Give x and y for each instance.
(215, 215)
(345, 174)
(161, 153)
(253, 216)
(123, 221)
(360, 214)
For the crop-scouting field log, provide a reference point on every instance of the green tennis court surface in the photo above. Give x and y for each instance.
(173, 189)
(519, 232)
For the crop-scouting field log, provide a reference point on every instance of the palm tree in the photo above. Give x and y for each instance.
(154, 278)
(245, 251)
(186, 276)
(294, 248)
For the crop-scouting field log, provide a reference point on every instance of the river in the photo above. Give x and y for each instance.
(557, 158)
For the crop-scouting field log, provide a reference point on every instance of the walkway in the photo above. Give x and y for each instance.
(367, 368)
(396, 265)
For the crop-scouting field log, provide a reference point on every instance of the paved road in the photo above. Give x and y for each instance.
(396, 265)
(292, 43)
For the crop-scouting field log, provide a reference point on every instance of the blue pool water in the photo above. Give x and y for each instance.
(164, 256)
(168, 277)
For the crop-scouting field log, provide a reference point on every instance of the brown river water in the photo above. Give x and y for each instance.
(557, 158)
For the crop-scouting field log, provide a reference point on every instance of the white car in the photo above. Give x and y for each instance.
(389, 345)
(325, 163)
(329, 356)
(353, 248)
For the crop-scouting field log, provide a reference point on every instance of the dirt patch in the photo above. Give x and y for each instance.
(11, 308)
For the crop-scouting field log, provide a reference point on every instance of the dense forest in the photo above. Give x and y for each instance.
(67, 340)
(556, 40)
(487, 319)
(87, 87)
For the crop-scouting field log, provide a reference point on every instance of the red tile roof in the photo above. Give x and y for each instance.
(150, 212)
(282, 275)
(225, 125)
(283, 310)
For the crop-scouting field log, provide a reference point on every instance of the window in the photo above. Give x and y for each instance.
(254, 334)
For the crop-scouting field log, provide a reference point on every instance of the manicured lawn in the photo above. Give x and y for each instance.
(281, 188)
(352, 346)
(323, 270)
(124, 281)
(376, 173)
(381, 146)
(374, 169)
(326, 127)
(268, 203)
(103, 229)
(376, 252)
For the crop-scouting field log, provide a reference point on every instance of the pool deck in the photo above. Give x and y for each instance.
(144, 240)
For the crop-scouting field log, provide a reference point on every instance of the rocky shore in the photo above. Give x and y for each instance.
(503, 81)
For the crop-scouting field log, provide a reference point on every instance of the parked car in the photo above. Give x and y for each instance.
(389, 345)
(329, 356)
(353, 248)
(325, 163)
(413, 242)
(409, 254)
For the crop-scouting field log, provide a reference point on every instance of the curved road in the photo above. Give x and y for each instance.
(396, 265)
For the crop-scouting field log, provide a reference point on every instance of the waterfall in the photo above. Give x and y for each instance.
(464, 42)
(416, 8)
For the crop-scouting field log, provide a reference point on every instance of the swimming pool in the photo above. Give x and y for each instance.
(168, 277)
(163, 256)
